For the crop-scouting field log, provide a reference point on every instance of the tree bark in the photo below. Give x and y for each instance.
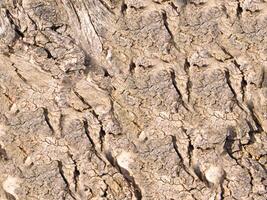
(133, 99)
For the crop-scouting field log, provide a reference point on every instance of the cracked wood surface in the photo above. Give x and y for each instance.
(133, 99)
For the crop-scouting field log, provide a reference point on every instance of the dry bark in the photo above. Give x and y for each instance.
(133, 99)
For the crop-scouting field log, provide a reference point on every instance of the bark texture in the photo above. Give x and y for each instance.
(133, 99)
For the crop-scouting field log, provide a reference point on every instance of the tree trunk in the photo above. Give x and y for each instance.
(133, 99)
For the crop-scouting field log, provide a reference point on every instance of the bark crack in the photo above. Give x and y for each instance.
(19, 75)
(255, 118)
(76, 172)
(16, 27)
(3, 154)
(87, 133)
(102, 132)
(190, 147)
(166, 25)
(126, 174)
(174, 143)
(228, 81)
(189, 82)
(243, 81)
(239, 10)
(47, 120)
(174, 83)
(61, 172)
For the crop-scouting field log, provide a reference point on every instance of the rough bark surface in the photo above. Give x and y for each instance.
(133, 99)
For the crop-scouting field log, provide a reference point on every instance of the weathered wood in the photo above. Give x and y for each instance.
(133, 99)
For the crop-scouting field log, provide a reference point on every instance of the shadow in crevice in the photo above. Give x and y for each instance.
(3, 154)
(229, 141)
(254, 117)
(251, 133)
(239, 10)
(91, 65)
(124, 7)
(125, 173)
(9, 196)
(200, 175)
